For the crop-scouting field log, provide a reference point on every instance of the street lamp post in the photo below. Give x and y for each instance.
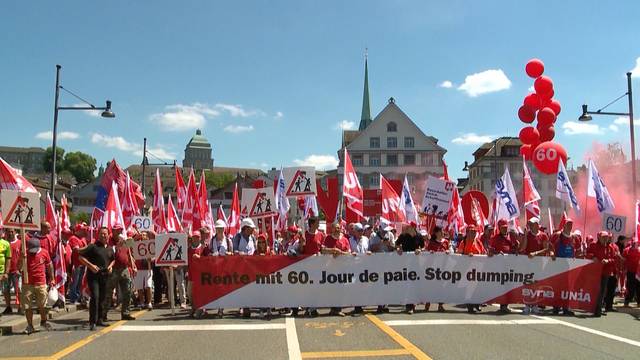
(106, 113)
(586, 116)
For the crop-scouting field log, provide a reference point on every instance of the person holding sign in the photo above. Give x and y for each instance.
(471, 245)
(503, 244)
(195, 251)
(12, 270)
(99, 260)
(437, 243)
(604, 252)
(410, 241)
(120, 277)
(39, 273)
(336, 244)
(244, 243)
(631, 256)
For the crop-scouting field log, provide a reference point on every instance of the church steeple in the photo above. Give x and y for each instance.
(365, 118)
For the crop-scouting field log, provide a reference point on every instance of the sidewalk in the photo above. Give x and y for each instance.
(14, 323)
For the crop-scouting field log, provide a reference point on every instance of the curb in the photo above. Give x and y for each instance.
(16, 325)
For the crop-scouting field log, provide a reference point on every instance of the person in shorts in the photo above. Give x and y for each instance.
(39, 274)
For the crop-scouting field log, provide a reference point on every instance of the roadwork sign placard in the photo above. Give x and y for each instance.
(258, 203)
(172, 249)
(300, 181)
(20, 210)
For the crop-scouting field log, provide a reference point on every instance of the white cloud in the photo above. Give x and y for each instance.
(446, 84)
(345, 125)
(62, 135)
(636, 70)
(624, 120)
(236, 129)
(238, 110)
(181, 117)
(472, 139)
(279, 115)
(120, 143)
(485, 82)
(613, 127)
(531, 89)
(581, 128)
(318, 161)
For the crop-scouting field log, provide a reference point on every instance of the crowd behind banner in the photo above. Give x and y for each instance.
(105, 266)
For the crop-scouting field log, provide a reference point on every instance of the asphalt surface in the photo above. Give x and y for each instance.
(453, 334)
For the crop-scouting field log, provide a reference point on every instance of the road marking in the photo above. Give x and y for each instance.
(292, 339)
(80, 343)
(413, 350)
(218, 327)
(593, 331)
(467, 322)
(356, 353)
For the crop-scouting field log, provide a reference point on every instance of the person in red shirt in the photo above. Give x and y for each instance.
(336, 244)
(47, 241)
(311, 244)
(14, 279)
(437, 243)
(604, 252)
(120, 276)
(39, 274)
(195, 251)
(502, 244)
(471, 245)
(77, 241)
(631, 255)
(534, 242)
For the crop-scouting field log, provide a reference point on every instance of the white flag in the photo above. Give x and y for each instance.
(597, 189)
(282, 203)
(564, 190)
(406, 203)
(508, 207)
(310, 206)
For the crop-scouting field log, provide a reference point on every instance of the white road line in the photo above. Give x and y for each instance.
(292, 339)
(467, 322)
(593, 331)
(218, 327)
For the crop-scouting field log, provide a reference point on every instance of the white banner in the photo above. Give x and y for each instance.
(322, 281)
(437, 198)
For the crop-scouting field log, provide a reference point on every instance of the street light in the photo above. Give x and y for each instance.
(106, 113)
(586, 116)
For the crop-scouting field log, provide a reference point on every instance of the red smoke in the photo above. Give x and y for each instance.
(616, 174)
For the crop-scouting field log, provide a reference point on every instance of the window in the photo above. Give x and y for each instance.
(374, 142)
(426, 159)
(374, 160)
(392, 127)
(374, 181)
(409, 142)
(409, 159)
(392, 142)
(392, 159)
(357, 160)
(228, 195)
(510, 151)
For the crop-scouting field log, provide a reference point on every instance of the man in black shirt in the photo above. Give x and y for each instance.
(99, 260)
(408, 241)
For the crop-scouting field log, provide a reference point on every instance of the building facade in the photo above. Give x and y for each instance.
(29, 160)
(198, 153)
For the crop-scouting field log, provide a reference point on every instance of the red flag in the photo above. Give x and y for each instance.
(563, 221)
(529, 192)
(445, 172)
(234, 216)
(50, 215)
(197, 220)
(455, 218)
(11, 180)
(60, 270)
(159, 221)
(65, 221)
(532, 210)
(114, 173)
(351, 191)
(113, 212)
(478, 215)
(181, 190)
(173, 221)
(390, 203)
(203, 198)
(637, 234)
(191, 198)
(129, 205)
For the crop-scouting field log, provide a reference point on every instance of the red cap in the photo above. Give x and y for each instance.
(117, 227)
(262, 237)
(195, 233)
(413, 224)
(80, 227)
(131, 233)
(502, 222)
(292, 229)
(67, 231)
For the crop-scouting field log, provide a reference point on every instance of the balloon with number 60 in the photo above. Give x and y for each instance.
(546, 156)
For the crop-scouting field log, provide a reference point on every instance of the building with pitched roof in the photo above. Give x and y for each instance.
(197, 154)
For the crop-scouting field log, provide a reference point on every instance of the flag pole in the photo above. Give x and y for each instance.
(23, 245)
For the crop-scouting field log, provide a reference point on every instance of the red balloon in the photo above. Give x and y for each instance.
(526, 150)
(546, 97)
(547, 133)
(546, 157)
(534, 68)
(529, 135)
(546, 117)
(555, 106)
(543, 85)
(533, 101)
(526, 114)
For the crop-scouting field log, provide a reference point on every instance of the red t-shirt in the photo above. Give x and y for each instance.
(76, 243)
(121, 257)
(535, 242)
(16, 251)
(504, 244)
(630, 254)
(313, 243)
(37, 267)
(438, 246)
(602, 252)
(473, 247)
(341, 244)
(48, 244)
(193, 251)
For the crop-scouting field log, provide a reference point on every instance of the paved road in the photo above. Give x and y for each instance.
(450, 335)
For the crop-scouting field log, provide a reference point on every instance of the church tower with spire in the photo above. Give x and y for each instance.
(365, 118)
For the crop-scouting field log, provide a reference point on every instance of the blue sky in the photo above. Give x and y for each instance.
(270, 81)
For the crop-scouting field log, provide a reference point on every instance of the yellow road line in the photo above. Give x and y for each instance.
(25, 358)
(412, 349)
(356, 353)
(80, 343)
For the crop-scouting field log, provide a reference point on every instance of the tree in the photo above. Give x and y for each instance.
(80, 165)
(48, 156)
(79, 217)
(218, 180)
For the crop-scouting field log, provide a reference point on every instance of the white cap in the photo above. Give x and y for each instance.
(220, 224)
(423, 232)
(388, 228)
(357, 226)
(534, 220)
(247, 222)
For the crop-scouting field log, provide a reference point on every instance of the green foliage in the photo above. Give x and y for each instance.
(48, 156)
(80, 165)
(79, 217)
(218, 180)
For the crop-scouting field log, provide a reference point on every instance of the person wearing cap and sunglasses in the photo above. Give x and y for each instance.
(244, 243)
(40, 273)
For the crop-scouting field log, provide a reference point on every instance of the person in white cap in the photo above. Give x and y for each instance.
(220, 245)
(359, 243)
(244, 243)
